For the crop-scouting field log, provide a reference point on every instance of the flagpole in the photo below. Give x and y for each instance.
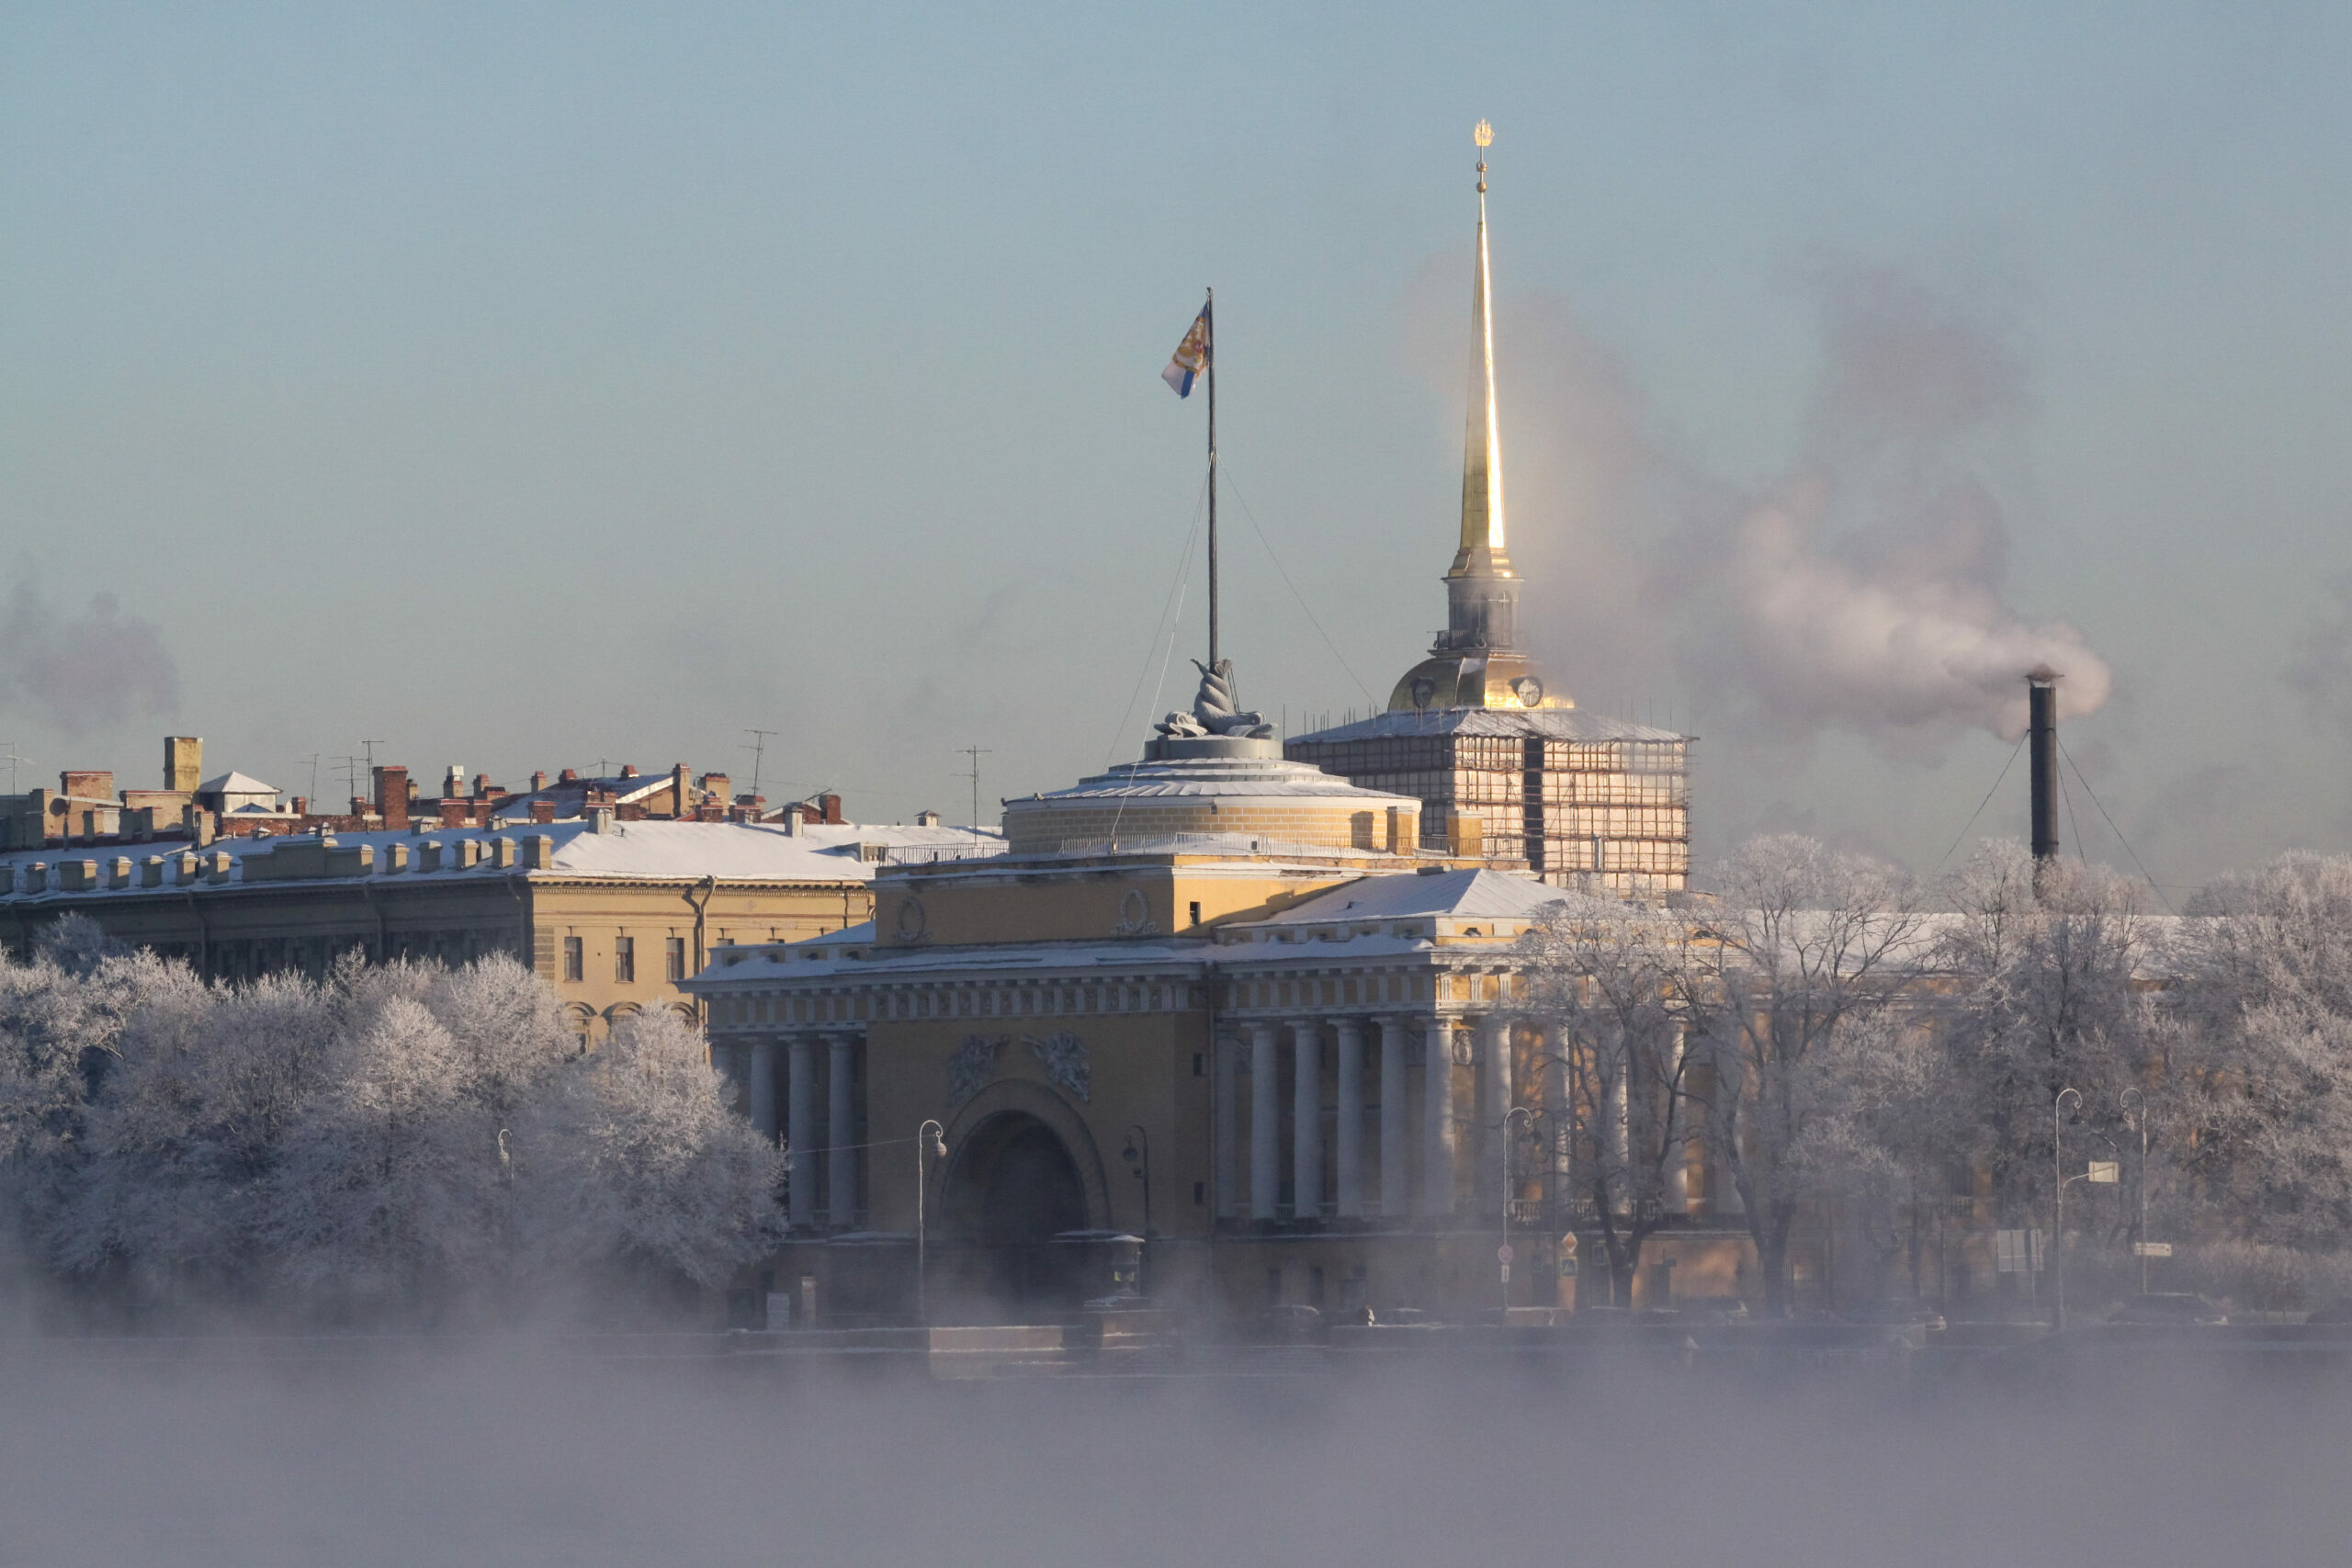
(1208, 312)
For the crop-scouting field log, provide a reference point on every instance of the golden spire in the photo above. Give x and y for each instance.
(1482, 553)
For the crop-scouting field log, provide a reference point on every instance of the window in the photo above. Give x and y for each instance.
(673, 958)
(575, 958)
(625, 960)
(1196, 912)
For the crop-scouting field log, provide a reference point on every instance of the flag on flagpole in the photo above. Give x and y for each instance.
(1192, 356)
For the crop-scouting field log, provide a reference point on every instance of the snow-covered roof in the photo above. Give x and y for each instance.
(657, 850)
(1463, 893)
(1551, 724)
(234, 782)
(1216, 777)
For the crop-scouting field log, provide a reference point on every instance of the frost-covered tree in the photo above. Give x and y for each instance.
(2272, 1149)
(2048, 966)
(1807, 947)
(397, 1140)
(641, 1159)
(1618, 988)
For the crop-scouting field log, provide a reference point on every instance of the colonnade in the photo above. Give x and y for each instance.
(1365, 1181)
(790, 1101)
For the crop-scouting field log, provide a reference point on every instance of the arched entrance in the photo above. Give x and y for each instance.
(1012, 1187)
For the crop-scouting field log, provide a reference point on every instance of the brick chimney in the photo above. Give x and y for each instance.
(628, 770)
(833, 808)
(391, 796)
(543, 811)
(182, 763)
(538, 780)
(568, 776)
(453, 783)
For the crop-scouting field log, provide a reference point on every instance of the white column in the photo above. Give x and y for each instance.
(1437, 1114)
(840, 1144)
(1265, 1126)
(1494, 1105)
(763, 1088)
(1392, 1117)
(1228, 1123)
(800, 1139)
(1306, 1121)
(1348, 1146)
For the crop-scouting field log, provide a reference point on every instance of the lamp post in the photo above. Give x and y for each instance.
(2058, 1222)
(1503, 1256)
(1138, 1154)
(2138, 1116)
(930, 1139)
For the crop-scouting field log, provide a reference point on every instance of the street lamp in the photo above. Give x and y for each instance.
(1503, 1254)
(930, 1139)
(1138, 1154)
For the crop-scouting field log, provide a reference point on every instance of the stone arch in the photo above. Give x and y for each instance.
(1032, 1100)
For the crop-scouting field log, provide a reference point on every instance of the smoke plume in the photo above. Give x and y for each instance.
(2322, 671)
(84, 672)
(1863, 589)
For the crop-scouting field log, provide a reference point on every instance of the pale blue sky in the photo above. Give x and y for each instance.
(540, 385)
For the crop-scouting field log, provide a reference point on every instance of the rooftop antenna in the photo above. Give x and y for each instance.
(369, 745)
(313, 760)
(976, 754)
(13, 759)
(351, 774)
(758, 750)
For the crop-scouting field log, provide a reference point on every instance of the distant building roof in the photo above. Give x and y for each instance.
(654, 851)
(1463, 893)
(233, 782)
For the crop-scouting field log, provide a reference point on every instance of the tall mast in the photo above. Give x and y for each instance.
(1209, 311)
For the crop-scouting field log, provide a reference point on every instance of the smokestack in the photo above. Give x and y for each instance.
(2042, 734)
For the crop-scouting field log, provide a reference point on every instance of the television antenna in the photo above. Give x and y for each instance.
(13, 759)
(975, 753)
(759, 751)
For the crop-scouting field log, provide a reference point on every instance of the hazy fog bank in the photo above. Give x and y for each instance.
(511, 1457)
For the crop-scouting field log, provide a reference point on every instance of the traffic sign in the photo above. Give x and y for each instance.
(1503, 1255)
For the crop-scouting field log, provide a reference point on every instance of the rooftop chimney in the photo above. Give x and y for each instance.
(568, 776)
(453, 784)
(391, 796)
(182, 763)
(538, 780)
(2042, 734)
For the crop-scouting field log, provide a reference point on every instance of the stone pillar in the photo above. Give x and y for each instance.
(763, 1088)
(1494, 1105)
(800, 1137)
(1265, 1123)
(1393, 1199)
(1228, 1123)
(1437, 1115)
(1348, 1143)
(840, 1142)
(1306, 1121)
